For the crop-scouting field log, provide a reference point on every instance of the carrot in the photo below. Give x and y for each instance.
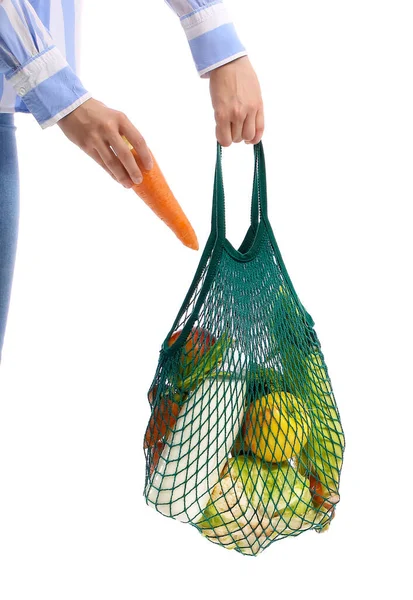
(152, 394)
(163, 419)
(156, 454)
(156, 193)
(317, 493)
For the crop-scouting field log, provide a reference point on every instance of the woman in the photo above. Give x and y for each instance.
(38, 76)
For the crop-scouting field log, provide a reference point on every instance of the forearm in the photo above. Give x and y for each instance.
(34, 66)
(211, 34)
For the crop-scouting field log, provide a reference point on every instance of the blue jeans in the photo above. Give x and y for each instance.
(9, 214)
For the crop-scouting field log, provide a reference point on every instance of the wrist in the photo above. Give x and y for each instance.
(75, 114)
(231, 65)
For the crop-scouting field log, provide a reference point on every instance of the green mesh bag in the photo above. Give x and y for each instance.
(244, 440)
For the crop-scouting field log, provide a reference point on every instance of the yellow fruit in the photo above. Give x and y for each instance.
(277, 427)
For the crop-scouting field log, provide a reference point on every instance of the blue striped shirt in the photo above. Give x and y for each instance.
(38, 44)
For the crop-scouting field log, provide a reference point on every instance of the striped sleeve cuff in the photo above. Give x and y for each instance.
(212, 38)
(49, 87)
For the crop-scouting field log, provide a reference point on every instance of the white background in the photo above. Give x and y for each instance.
(98, 282)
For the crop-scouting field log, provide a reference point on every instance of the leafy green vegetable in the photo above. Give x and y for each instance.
(209, 362)
(263, 381)
(323, 454)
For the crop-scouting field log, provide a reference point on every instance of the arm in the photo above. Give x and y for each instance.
(34, 66)
(219, 54)
(54, 94)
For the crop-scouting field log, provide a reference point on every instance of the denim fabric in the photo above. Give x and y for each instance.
(9, 214)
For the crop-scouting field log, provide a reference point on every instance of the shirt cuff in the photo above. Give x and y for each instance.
(212, 38)
(49, 87)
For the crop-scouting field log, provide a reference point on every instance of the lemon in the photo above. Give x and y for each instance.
(277, 427)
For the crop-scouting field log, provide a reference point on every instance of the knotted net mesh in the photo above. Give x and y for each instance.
(244, 441)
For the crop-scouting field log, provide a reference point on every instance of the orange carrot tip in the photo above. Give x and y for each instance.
(157, 194)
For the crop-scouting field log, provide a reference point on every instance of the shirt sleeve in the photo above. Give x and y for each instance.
(210, 32)
(34, 66)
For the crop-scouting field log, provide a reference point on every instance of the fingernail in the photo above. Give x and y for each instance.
(137, 180)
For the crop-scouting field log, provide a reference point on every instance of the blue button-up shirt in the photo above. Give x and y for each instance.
(38, 51)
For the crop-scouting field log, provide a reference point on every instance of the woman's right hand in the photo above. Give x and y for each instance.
(98, 131)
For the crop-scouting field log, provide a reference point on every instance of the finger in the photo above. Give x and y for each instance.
(236, 129)
(126, 157)
(114, 165)
(259, 127)
(223, 129)
(137, 141)
(248, 130)
(97, 158)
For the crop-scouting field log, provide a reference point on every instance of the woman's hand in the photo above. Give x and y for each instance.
(236, 99)
(98, 131)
